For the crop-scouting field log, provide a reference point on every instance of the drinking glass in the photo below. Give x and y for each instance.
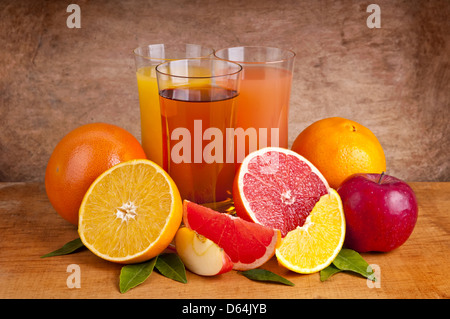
(263, 103)
(146, 58)
(198, 110)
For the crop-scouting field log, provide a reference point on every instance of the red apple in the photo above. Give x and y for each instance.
(380, 212)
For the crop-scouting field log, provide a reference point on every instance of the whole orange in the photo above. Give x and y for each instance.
(339, 148)
(80, 157)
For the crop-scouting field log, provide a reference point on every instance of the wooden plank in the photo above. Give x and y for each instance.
(31, 228)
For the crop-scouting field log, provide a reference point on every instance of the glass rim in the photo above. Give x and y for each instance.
(292, 54)
(198, 77)
(169, 59)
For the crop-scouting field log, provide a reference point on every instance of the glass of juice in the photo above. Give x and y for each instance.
(263, 102)
(198, 111)
(146, 59)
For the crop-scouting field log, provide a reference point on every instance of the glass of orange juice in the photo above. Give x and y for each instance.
(198, 110)
(146, 58)
(263, 103)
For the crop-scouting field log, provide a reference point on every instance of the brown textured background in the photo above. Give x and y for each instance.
(393, 80)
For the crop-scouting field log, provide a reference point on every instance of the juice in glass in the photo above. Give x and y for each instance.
(151, 136)
(196, 112)
(263, 102)
(146, 60)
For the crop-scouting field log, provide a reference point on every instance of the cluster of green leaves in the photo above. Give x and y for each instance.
(171, 266)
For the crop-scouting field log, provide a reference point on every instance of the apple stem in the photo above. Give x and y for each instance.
(381, 176)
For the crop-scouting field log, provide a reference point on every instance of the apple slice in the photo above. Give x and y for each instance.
(201, 255)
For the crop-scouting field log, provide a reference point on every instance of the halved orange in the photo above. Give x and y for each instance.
(314, 246)
(130, 213)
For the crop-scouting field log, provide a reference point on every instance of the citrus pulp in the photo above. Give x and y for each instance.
(249, 245)
(314, 246)
(130, 213)
(278, 188)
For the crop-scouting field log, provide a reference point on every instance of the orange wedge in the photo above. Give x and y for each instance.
(130, 213)
(314, 246)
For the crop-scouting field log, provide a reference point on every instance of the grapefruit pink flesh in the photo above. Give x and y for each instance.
(249, 245)
(277, 188)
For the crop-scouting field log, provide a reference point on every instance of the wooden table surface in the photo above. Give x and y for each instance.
(31, 228)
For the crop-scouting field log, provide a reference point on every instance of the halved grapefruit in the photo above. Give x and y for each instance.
(249, 245)
(277, 188)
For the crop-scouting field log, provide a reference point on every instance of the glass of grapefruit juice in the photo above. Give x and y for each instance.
(198, 107)
(263, 102)
(146, 58)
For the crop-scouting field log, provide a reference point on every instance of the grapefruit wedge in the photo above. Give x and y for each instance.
(277, 188)
(249, 245)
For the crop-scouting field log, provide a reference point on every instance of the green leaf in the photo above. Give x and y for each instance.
(171, 266)
(350, 260)
(265, 275)
(328, 272)
(68, 248)
(135, 274)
